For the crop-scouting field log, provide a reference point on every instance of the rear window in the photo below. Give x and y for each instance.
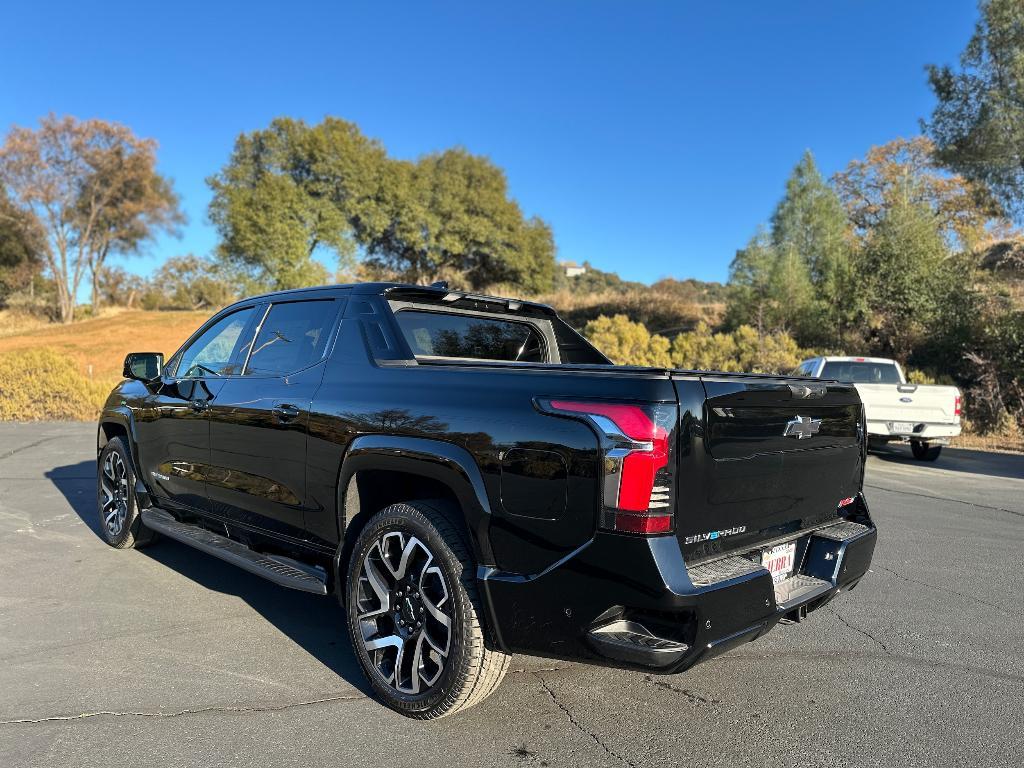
(436, 334)
(861, 373)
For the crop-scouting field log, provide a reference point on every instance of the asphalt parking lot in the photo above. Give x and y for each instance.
(167, 657)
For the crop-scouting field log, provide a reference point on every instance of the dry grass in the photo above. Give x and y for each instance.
(1010, 440)
(661, 312)
(66, 371)
(98, 346)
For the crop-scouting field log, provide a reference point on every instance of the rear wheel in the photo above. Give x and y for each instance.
(414, 615)
(120, 523)
(925, 452)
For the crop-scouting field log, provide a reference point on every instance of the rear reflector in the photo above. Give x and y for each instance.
(957, 405)
(637, 446)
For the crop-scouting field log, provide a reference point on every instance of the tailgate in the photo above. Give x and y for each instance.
(907, 402)
(769, 457)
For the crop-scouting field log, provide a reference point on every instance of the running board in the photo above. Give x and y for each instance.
(280, 570)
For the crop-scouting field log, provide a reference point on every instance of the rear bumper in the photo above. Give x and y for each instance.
(929, 431)
(633, 602)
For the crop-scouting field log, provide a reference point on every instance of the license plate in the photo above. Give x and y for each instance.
(901, 427)
(779, 560)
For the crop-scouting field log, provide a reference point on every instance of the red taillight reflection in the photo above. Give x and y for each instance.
(640, 450)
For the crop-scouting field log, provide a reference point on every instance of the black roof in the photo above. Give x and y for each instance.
(408, 290)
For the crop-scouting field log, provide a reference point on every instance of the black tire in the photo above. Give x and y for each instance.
(473, 668)
(923, 451)
(121, 525)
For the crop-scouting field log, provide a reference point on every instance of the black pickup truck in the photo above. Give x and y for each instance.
(471, 478)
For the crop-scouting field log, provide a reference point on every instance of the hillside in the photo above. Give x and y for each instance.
(99, 346)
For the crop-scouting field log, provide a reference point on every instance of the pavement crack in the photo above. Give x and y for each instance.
(690, 695)
(572, 719)
(181, 712)
(972, 598)
(20, 448)
(855, 628)
(945, 498)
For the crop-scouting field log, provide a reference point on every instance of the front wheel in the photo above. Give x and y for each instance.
(925, 452)
(414, 615)
(121, 525)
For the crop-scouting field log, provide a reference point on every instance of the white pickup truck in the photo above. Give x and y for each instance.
(926, 416)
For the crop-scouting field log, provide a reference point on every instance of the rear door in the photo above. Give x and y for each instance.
(259, 420)
(764, 458)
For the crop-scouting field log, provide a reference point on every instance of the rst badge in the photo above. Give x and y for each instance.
(801, 427)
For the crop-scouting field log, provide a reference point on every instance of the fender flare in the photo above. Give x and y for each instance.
(438, 460)
(123, 417)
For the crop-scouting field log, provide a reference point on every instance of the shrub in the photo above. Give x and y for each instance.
(628, 343)
(738, 350)
(43, 384)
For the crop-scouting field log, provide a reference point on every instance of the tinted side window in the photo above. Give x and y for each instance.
(217, 351)
(433, 334)
(861, 373)
(293, 336)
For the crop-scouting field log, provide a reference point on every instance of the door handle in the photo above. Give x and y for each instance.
(199, 405)
(285, 412)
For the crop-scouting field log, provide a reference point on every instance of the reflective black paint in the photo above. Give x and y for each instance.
(295, 463)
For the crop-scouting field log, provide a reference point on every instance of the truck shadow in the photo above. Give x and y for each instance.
(317, 624)
(958, 460)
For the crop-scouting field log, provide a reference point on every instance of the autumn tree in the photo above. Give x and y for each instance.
(142, 204)
(978, 122)
(68, 175)
(905, 171)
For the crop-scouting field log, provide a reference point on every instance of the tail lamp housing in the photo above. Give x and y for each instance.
(958, 406)
(637, 445)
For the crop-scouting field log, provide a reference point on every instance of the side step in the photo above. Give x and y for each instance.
(633, 642)
(280, 570)
(799, 589)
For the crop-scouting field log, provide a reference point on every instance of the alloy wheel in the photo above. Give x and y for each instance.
(114, 485)
(404, 612)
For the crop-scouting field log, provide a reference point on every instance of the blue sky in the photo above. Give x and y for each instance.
(653, 136)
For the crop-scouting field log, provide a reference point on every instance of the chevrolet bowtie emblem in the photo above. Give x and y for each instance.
(801, 427)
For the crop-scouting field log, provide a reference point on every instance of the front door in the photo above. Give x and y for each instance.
(173, 427)
(259, 420)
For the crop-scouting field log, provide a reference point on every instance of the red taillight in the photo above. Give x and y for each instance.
(956, 405)
(637, 446)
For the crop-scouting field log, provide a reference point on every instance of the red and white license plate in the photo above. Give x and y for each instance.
(779, 560)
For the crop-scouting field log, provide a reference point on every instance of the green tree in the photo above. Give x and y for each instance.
(293, 190)
(449, 215)
(628, 343)
(907, 272)
(770, 288)
(191, 282)
(978, 123)
(810, 224)
(22, 240)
